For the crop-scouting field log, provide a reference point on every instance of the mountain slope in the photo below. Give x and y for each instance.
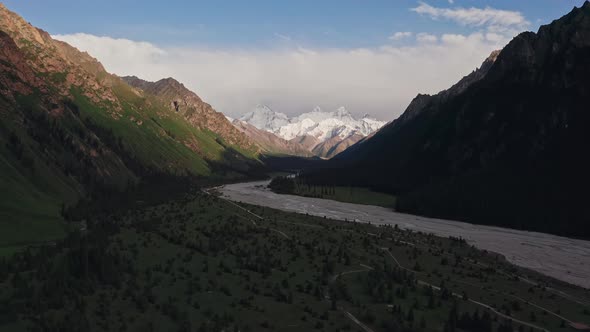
(335, 145)
(197, 112)
(306, 141)
(271, 143)
(505, 146)
(69, 129)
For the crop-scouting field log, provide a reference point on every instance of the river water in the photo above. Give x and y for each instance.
(559, 257)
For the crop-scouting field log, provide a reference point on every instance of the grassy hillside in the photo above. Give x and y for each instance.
(46, 173)
(69, 130)
(206, 264)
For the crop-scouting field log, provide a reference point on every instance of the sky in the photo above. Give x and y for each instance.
(369, 56)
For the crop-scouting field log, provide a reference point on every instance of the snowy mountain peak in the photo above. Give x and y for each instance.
(341, 112)
(263, 117)
(317, 109)
(319, 124)
(260, 108)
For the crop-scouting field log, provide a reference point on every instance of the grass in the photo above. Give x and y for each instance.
(32, 195)
(147, 141)
(58, 159)
(9, 251)
(30, 201)
(356, 195)
(202, 263)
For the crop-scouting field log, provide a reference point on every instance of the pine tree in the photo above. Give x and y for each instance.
(410, 316)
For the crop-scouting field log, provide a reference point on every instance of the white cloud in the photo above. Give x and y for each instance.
(494, 37)
(401, 35)
(453, 38)
(380, 80)
(476, 17)
(282, 37)
(424, 37)
(111, 48)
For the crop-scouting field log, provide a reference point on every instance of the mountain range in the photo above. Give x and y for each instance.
(321, 133)
(70, 131)
(507, 145)
(115, 213)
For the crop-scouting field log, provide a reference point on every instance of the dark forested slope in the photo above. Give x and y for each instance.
(506, 146)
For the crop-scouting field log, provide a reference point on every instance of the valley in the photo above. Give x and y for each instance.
(560, 257)
(204, 263)
(138, 194)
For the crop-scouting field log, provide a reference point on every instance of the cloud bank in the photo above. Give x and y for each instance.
(492, 19)
(380, 80)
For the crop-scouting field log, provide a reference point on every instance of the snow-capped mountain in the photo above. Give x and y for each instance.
(321, 133)
(318, 123)
(262, 117)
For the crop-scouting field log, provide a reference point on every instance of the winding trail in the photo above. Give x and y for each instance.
(365, 268)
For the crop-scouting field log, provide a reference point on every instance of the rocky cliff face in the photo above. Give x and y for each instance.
(62, 64)
(505, 145)
(17, 75)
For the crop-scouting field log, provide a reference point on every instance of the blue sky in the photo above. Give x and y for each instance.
(369, 56)
(342, 23)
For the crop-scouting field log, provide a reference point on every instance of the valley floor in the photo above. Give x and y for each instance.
(209, 264)
(560, 257)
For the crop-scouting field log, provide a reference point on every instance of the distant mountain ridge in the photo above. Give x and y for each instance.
(325, 133)
(507, 145)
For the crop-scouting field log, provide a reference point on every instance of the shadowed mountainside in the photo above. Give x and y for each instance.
(505, 146)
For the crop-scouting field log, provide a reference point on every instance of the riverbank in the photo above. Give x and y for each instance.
(559, 257)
